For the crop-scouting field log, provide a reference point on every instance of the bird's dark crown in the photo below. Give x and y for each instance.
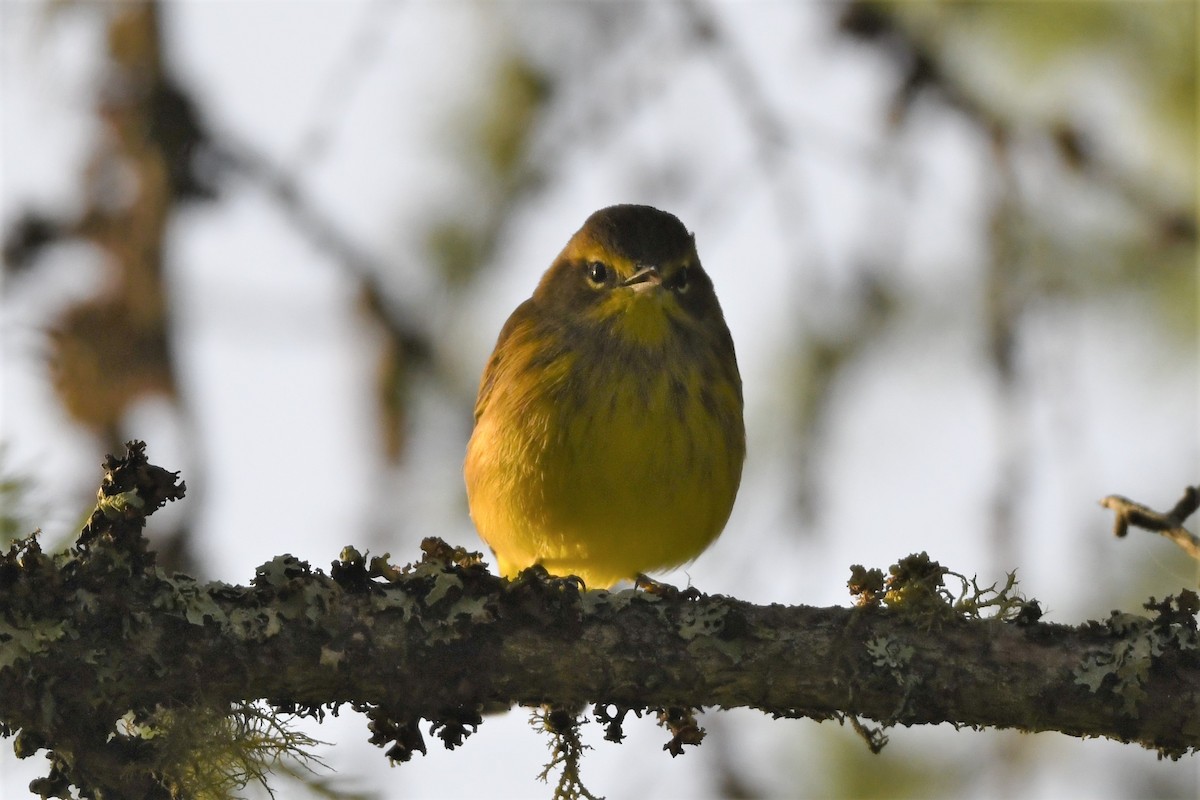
(642, 234)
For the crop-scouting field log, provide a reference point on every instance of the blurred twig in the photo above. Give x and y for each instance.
(925, 70)
(345, 77)
(1128, 513)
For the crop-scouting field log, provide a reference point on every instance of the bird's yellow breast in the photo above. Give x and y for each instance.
(630, 469)
(608, 430)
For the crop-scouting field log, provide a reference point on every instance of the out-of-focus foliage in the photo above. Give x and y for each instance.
(492, 146)
(1027, 62)
(1111, 89)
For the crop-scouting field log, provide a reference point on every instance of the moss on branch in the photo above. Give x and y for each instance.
(97, 635)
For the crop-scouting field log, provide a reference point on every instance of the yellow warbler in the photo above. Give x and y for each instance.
(608, 435)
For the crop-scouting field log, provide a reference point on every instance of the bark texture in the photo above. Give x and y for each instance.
(89, 635)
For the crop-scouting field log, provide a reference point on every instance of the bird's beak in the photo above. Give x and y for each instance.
(645, 278)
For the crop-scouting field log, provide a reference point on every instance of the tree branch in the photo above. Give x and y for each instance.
(89, 635)
(1169, 524)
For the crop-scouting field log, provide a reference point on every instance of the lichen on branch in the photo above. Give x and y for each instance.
(98, 646)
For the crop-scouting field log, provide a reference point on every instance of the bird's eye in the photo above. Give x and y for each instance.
(679, 281)
(597, 273)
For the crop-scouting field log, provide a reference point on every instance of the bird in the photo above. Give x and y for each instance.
(609, 437)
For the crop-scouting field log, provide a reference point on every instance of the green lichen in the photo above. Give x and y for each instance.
(566, 750)
(23, 641)
(1127, 662)
(706, 627)
(191, 601)
(706, 621)
(444, 584)
(600, 600)
(1124, 667)
(118, 505)
(917, 585)
(892, 654)
(204, 753)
